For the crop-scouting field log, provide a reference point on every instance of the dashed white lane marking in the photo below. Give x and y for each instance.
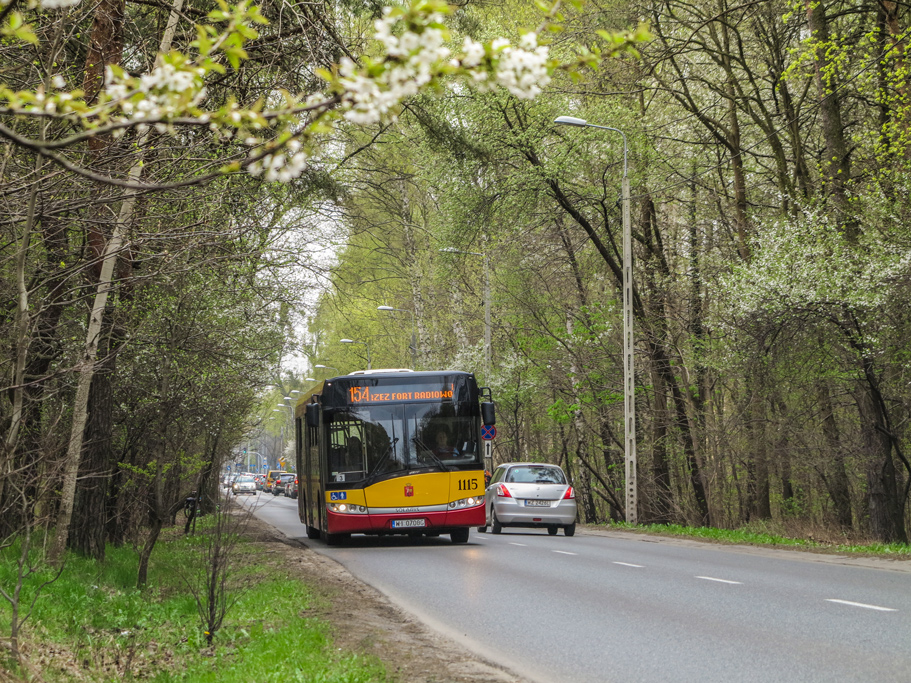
(712, 578)
(518, 544)
(627, 564)
(860, 604)
(564, 552)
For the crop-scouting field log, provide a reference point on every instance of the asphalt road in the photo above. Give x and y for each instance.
(602, 608)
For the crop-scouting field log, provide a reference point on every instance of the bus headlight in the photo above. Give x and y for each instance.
(465, 503)
(346, 508)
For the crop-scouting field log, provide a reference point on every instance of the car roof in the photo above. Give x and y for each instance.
(529, 464)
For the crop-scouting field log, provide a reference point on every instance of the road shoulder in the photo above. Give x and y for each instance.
(781, 553)
(366, 622)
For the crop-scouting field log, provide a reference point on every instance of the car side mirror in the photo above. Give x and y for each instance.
(313, 415)
(488, 414)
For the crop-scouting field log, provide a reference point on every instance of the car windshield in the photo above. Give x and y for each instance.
(374, 440)
(244, 479)
(535, 474)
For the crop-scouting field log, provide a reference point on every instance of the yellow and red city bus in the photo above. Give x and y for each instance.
(392, 452)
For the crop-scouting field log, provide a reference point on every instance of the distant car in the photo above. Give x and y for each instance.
(291, 488)
(282, 482)
(527, 494)
(227, 480)
(271, 476)
(259, 479)
(243, 484)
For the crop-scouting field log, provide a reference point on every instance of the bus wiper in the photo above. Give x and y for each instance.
(379, 463)
(421, 444)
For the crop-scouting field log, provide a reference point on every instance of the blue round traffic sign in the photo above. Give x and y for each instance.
(488, 432)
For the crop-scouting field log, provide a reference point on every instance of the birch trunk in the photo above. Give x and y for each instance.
(86, 367)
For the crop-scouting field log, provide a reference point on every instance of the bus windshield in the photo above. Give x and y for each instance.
(374, 440)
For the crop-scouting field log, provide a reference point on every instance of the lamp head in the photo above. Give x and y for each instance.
(570, 121)
(385, 308)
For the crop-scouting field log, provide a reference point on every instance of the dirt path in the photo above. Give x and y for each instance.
(411, 651)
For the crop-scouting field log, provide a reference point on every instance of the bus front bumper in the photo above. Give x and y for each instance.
(403, 523)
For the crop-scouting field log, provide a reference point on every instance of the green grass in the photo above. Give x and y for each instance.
(750, 537)
(92, 623)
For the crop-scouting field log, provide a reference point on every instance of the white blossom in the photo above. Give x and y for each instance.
(168, 90)
(474, 53)
(414, 58)
(283, 166)
(523, 72)
(805, 263)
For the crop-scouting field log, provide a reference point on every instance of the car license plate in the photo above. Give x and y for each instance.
(400, 523)
(537, 503)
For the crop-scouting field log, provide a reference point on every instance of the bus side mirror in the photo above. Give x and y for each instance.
(488, 415)
(313, 414)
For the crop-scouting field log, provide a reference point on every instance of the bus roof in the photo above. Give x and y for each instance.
(411, 373)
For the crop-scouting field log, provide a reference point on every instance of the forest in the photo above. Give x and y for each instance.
(768, 159)
(194, 194)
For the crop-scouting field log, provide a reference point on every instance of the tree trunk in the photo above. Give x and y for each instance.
(736, 151)
(661, 471)
(87, 535)
(758, 468)
(142, 575)
(885, 508)
(86, 366)
(835, 476)
(836, 167)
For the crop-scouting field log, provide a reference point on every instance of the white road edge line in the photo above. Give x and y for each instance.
(564, 552)
(712, 578)
(627, 564)
(860, 604)
(521, 545)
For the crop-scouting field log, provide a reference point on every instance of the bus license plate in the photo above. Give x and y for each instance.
(537, 503)
(400, 523)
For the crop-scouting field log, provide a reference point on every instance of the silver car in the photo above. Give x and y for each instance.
(244, 484)
(530, 494)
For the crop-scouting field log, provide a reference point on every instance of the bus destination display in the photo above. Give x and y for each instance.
(394, 393)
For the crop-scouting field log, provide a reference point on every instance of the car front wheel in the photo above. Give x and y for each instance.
(552, 530)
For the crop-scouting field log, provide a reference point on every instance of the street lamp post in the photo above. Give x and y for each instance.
(355, 341)
(414, 348)
(629, 404)
(453, 250)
